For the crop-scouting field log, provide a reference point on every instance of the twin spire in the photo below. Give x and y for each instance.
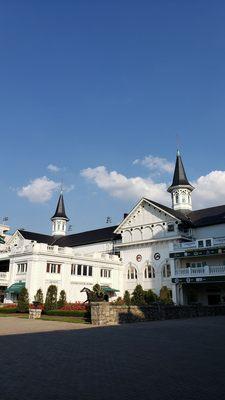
(59, 219)
(180, 192)
(181, 188)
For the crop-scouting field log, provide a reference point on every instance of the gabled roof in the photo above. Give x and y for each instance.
(176, 214)
(60, 209)
(179, 177)
(77, 239)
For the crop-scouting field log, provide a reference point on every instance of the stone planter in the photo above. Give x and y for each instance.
(35, 313)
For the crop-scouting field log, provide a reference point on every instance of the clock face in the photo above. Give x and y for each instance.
(139, 258)
(157, 256)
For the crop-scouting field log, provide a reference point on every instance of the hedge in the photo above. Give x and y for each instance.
(63, 313)
(9, 310)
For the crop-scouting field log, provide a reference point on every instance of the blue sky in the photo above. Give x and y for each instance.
(104, 83)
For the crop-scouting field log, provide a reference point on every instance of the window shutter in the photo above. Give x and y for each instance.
(59, 267)
(48, 267)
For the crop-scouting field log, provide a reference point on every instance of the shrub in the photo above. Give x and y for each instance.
(39, 296)
(23, 300)
(62, 299)
(126, 298)
(8, 310)
(51, 298)
(165, 295)
(118, 302)
(62, 313)
(138, 296)
(75, 306)
(150, 296)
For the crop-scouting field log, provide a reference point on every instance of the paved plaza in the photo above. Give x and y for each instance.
(176, 360)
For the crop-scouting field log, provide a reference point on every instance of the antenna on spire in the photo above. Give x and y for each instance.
(178, 141)
(61, 187)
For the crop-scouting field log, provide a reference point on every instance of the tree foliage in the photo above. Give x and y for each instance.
(126, 298)
(51, 298)
(23, 300)
(39, 296)
(150, 297)
(138, 296)
(165, 295)
(62, 299)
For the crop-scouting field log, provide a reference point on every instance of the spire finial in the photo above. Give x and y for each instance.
(178, 152)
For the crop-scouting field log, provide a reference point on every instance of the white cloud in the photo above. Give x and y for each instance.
(39, 190)
(119, 186)
(156, 164)
(209, 190)
(53, 168)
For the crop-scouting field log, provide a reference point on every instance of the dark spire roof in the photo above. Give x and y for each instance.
(60, 209)
(179, 177)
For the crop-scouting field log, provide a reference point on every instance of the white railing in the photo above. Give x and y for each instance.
(219, 241)
(200, 271)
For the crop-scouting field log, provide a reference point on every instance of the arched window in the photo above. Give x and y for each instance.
(166, 271)
(177, 198)
(149, 272)
(132, 273)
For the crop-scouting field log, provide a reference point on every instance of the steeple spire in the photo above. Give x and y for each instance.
(60, 218)
(181, 188)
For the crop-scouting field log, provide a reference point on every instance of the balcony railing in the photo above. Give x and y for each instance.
(207, 270)
(200, 244)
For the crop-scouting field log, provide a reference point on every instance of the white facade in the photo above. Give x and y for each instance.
(159, 246)
(40, 265)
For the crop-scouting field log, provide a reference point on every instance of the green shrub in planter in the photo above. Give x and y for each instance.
(39, 296)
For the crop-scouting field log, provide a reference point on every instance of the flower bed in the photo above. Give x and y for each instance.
(75, 307)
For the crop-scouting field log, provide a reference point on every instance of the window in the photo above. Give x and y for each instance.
(166, 271)
(106, 273)
(22, 268)
(200, 243)
(170, 228)
(177, 198)
(132, 273)
(53, 268)
(208, 242)
(81, 270)
(149, 272)
(73, 269)
(84, 270)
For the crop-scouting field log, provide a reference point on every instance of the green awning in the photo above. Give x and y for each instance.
(15, 288)
(108, 289)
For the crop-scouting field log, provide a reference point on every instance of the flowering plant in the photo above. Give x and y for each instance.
(75, 306)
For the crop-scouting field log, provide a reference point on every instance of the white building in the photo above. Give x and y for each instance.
(153, 246)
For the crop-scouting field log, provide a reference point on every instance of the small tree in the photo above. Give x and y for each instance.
(138, 296)
(23, 300)
(51, 298)
(39, 296)
(150, 296)
(165, 295)
(62, 299)
(126, 298)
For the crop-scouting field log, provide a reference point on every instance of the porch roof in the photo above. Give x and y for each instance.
(15, 287)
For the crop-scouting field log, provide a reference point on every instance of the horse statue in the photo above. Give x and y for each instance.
(95, 295)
